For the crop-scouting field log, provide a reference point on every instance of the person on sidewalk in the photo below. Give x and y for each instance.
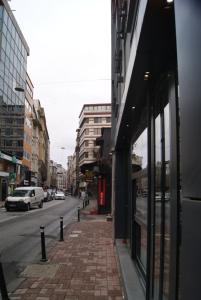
(83, 195)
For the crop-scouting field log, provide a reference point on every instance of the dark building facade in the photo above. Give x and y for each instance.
(104, 171)
(156, 112)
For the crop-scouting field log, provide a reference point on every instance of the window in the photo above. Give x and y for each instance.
(140, 150)
(86, 143)
(108, 120)
(97, 120)
(97, 131)
(86, 132)
(158, 193)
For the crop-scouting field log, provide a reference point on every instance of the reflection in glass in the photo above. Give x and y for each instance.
(139, 159)
(13, 59)
(158, 163)
(167, 204)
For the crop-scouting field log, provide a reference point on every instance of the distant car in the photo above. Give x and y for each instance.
(60, 195)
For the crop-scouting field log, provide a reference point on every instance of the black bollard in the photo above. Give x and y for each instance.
(43, 251)
(78, 214)
(3, 288)
(61, 230)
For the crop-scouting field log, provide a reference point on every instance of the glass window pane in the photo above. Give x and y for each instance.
(141, 177)
(158, 193)
(167, 205)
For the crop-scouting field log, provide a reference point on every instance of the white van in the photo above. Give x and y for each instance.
(25, 197)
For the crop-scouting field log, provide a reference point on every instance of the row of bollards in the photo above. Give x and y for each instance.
(42, 234)
(3, 288)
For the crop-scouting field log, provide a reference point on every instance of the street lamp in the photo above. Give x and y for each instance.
(19, 88)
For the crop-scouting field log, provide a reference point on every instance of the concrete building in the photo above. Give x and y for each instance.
(61, 177)
(53, 174)
(71, 174)
(43, 145)
(156, 112)
(93, 118)
(28, 130)
(35, 145)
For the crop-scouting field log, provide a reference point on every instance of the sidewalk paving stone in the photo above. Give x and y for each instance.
(82, 267)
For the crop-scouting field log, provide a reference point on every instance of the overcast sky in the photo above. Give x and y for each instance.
(69, 62)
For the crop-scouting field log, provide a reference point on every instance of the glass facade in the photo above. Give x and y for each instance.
(140, 152)
(162, 205)
(13, 65)
(157, 206)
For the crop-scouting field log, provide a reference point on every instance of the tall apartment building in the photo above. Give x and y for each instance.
(61, 177)
(43, 145)
(28, 130)
(93, 117)
(53, 174)
(71, 173)
(35, 145)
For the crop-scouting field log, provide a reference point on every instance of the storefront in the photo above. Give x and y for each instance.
(156, 117)
(10, 168)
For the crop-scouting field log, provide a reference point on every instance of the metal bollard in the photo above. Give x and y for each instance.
(78, 214)
(43, 251)
(61, 230)
(3, 288)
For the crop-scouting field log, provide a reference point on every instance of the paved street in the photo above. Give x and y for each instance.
(82, 267)
(20, 234)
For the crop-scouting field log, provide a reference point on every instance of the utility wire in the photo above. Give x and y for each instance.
(73, 82)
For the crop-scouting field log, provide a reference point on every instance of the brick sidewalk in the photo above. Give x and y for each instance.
(83, 267)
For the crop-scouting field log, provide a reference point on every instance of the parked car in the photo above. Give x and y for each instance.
(60, 195)
(25, 198)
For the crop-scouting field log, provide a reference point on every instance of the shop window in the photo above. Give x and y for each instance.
(162, 239)
(140, 176)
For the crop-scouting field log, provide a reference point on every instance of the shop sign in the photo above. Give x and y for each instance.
(89, 176)
(12, 177)
(14, 159)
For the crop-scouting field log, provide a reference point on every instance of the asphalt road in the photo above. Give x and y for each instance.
(20, 242)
